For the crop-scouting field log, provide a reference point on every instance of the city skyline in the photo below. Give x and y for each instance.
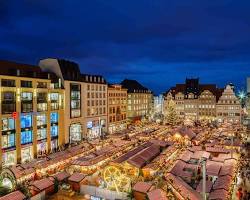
(157, 43)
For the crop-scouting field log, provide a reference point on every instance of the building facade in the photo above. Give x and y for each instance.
(86, 99)
(117, 108)
(197, 101)
(248, 97)
(31, 111)
(139, 103)
(228, 108)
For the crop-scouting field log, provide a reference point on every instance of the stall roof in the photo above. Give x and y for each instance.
(223, 182)
(17, 195)
(213, 168)
(43, 184)
(76, 177)
(157, 194)
(209, 185)
(186, 190)
(61, 176)
(218, 195)
(142, 187)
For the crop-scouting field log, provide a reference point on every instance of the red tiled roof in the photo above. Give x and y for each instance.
(186, 190)
(218, 195)
(226, 170)
(157, 194)
(43, 184)
(142, 187)
(200, 154)
(76, 177)
(17, 195)
(61, 176)
(186, 155)
(223, 182)
(209, 185)
(213, 168)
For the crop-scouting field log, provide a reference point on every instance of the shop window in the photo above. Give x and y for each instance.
(8, 124)
(54, 117)
(8, 141)
(41, 120)
(75, 132)
(41, 134)
(54, 131)
(26, 137)
(26, 154)
(9, 158)
(26, 121)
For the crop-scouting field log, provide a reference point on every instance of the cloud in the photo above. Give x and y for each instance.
(144, 39)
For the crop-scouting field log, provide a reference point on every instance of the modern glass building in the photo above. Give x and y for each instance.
(31, 113)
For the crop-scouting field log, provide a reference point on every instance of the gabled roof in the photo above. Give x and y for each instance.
(17, 195)
(142, 187)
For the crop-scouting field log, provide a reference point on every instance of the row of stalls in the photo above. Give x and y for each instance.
(185, 177)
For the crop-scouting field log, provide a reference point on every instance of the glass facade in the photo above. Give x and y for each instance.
(41, 133)
(26, 121)
(8, 140)
(26, 154)
(8, 124)
(54, 117)
(75, 100)
(41, 119)
(75, 133)
(54, 131)
(9, 158)
(26, 137)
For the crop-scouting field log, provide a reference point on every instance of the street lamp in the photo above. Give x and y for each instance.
(203, 163)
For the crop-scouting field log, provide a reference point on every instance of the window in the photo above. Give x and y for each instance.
(75, 104)
(26, 84)
(8, 96)
(53, 117)
(54, 131)
(8, 102)
(41, 97)
(41, 85)
(26, 137)
(41, 134)
(41, 119)
(26, 121)
(8, 124)
(8, 141)
(26, 96)
(41, 107)
(75, 132)
(8, 83)
(54, 96)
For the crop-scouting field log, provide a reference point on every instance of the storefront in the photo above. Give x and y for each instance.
(27, 154)
(41, 148)
(75, 132)
(95, 128)
(9, 158)
(54, 145)
(117, 127)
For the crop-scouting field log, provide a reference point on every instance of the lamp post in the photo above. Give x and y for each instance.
(203, 163)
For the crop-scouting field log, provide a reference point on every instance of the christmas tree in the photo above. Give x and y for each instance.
(171, 113)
